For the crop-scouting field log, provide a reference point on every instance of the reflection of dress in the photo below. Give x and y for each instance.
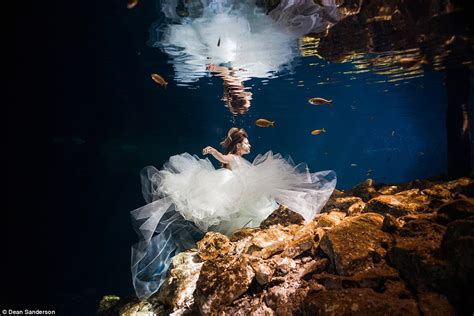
(227, 32)
(189, 196)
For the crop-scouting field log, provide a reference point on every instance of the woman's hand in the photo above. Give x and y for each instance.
(208, 150)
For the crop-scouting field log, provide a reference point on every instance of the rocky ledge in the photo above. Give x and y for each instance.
(405, 249)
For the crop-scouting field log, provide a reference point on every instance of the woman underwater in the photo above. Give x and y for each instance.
(189, 197)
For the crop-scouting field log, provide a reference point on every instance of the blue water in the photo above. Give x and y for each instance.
(110, 120)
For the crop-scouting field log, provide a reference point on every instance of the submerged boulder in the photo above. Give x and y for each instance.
(356, 244)
(403, 255)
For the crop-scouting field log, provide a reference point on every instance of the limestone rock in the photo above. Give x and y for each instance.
(390, 224)
(177, 290)
(330, 219)
(356, 301)
(282, 216)
(439, 192)
(222, 281)
(213, 245)
(302, 240)
(356, 243)
(374, 278)
(288, 297)
(459, 184)
(454, 210)
(402, 203)
(416, 255)
(376, 249)
(356, 208)
(435, 304)
(365, 190)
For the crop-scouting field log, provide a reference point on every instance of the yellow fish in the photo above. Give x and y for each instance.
(159, 80)
(265, 123)
(319, 101)
(132, 3)
(318, 131)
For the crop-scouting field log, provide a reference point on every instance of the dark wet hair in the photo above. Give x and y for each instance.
(234, 137)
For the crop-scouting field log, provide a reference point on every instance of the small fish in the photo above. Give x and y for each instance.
(159, 80)
(393, 132)
(219, 42)
(318, 131)
(319, 101)
(353, 165)
(265, 123)
(132, 4)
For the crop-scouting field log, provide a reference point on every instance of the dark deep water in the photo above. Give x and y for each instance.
(86, 118)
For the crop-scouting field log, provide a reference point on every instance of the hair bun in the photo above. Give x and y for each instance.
(231, 132)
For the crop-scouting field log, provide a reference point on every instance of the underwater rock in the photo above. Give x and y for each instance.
(302, 240)
(354, 301)
(390, 224)
(356, 208)
(374, 278)
(282, 216)
(351, 205)
(438, 192)
(221, 281)
(330, 219)
(416, 254)
(269, 241)
(365, 190)
(454, 210)
(107, 304)
(288, 297)
(213, 245)
(356, 243)
(457, 247)
(178, 288)
(432, 303)
(399, 204)
(144, 308)
(407, 258)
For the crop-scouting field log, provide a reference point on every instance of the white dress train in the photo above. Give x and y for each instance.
(189, 197)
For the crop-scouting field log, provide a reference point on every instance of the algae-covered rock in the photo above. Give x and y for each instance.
(353, 244)
(402, 203)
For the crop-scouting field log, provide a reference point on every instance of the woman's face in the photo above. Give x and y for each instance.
(244, 147)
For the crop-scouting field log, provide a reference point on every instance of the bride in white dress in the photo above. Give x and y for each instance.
(189, 197)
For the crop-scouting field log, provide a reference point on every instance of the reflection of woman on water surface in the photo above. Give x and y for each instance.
(237, 100)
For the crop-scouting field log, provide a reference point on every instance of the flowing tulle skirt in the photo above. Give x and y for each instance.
(189, 197)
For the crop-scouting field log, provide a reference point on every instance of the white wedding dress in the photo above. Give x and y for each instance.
(189, 197)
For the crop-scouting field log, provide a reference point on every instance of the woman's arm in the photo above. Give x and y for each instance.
(226, 159)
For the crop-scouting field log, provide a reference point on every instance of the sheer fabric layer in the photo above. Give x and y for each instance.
(189, 197)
